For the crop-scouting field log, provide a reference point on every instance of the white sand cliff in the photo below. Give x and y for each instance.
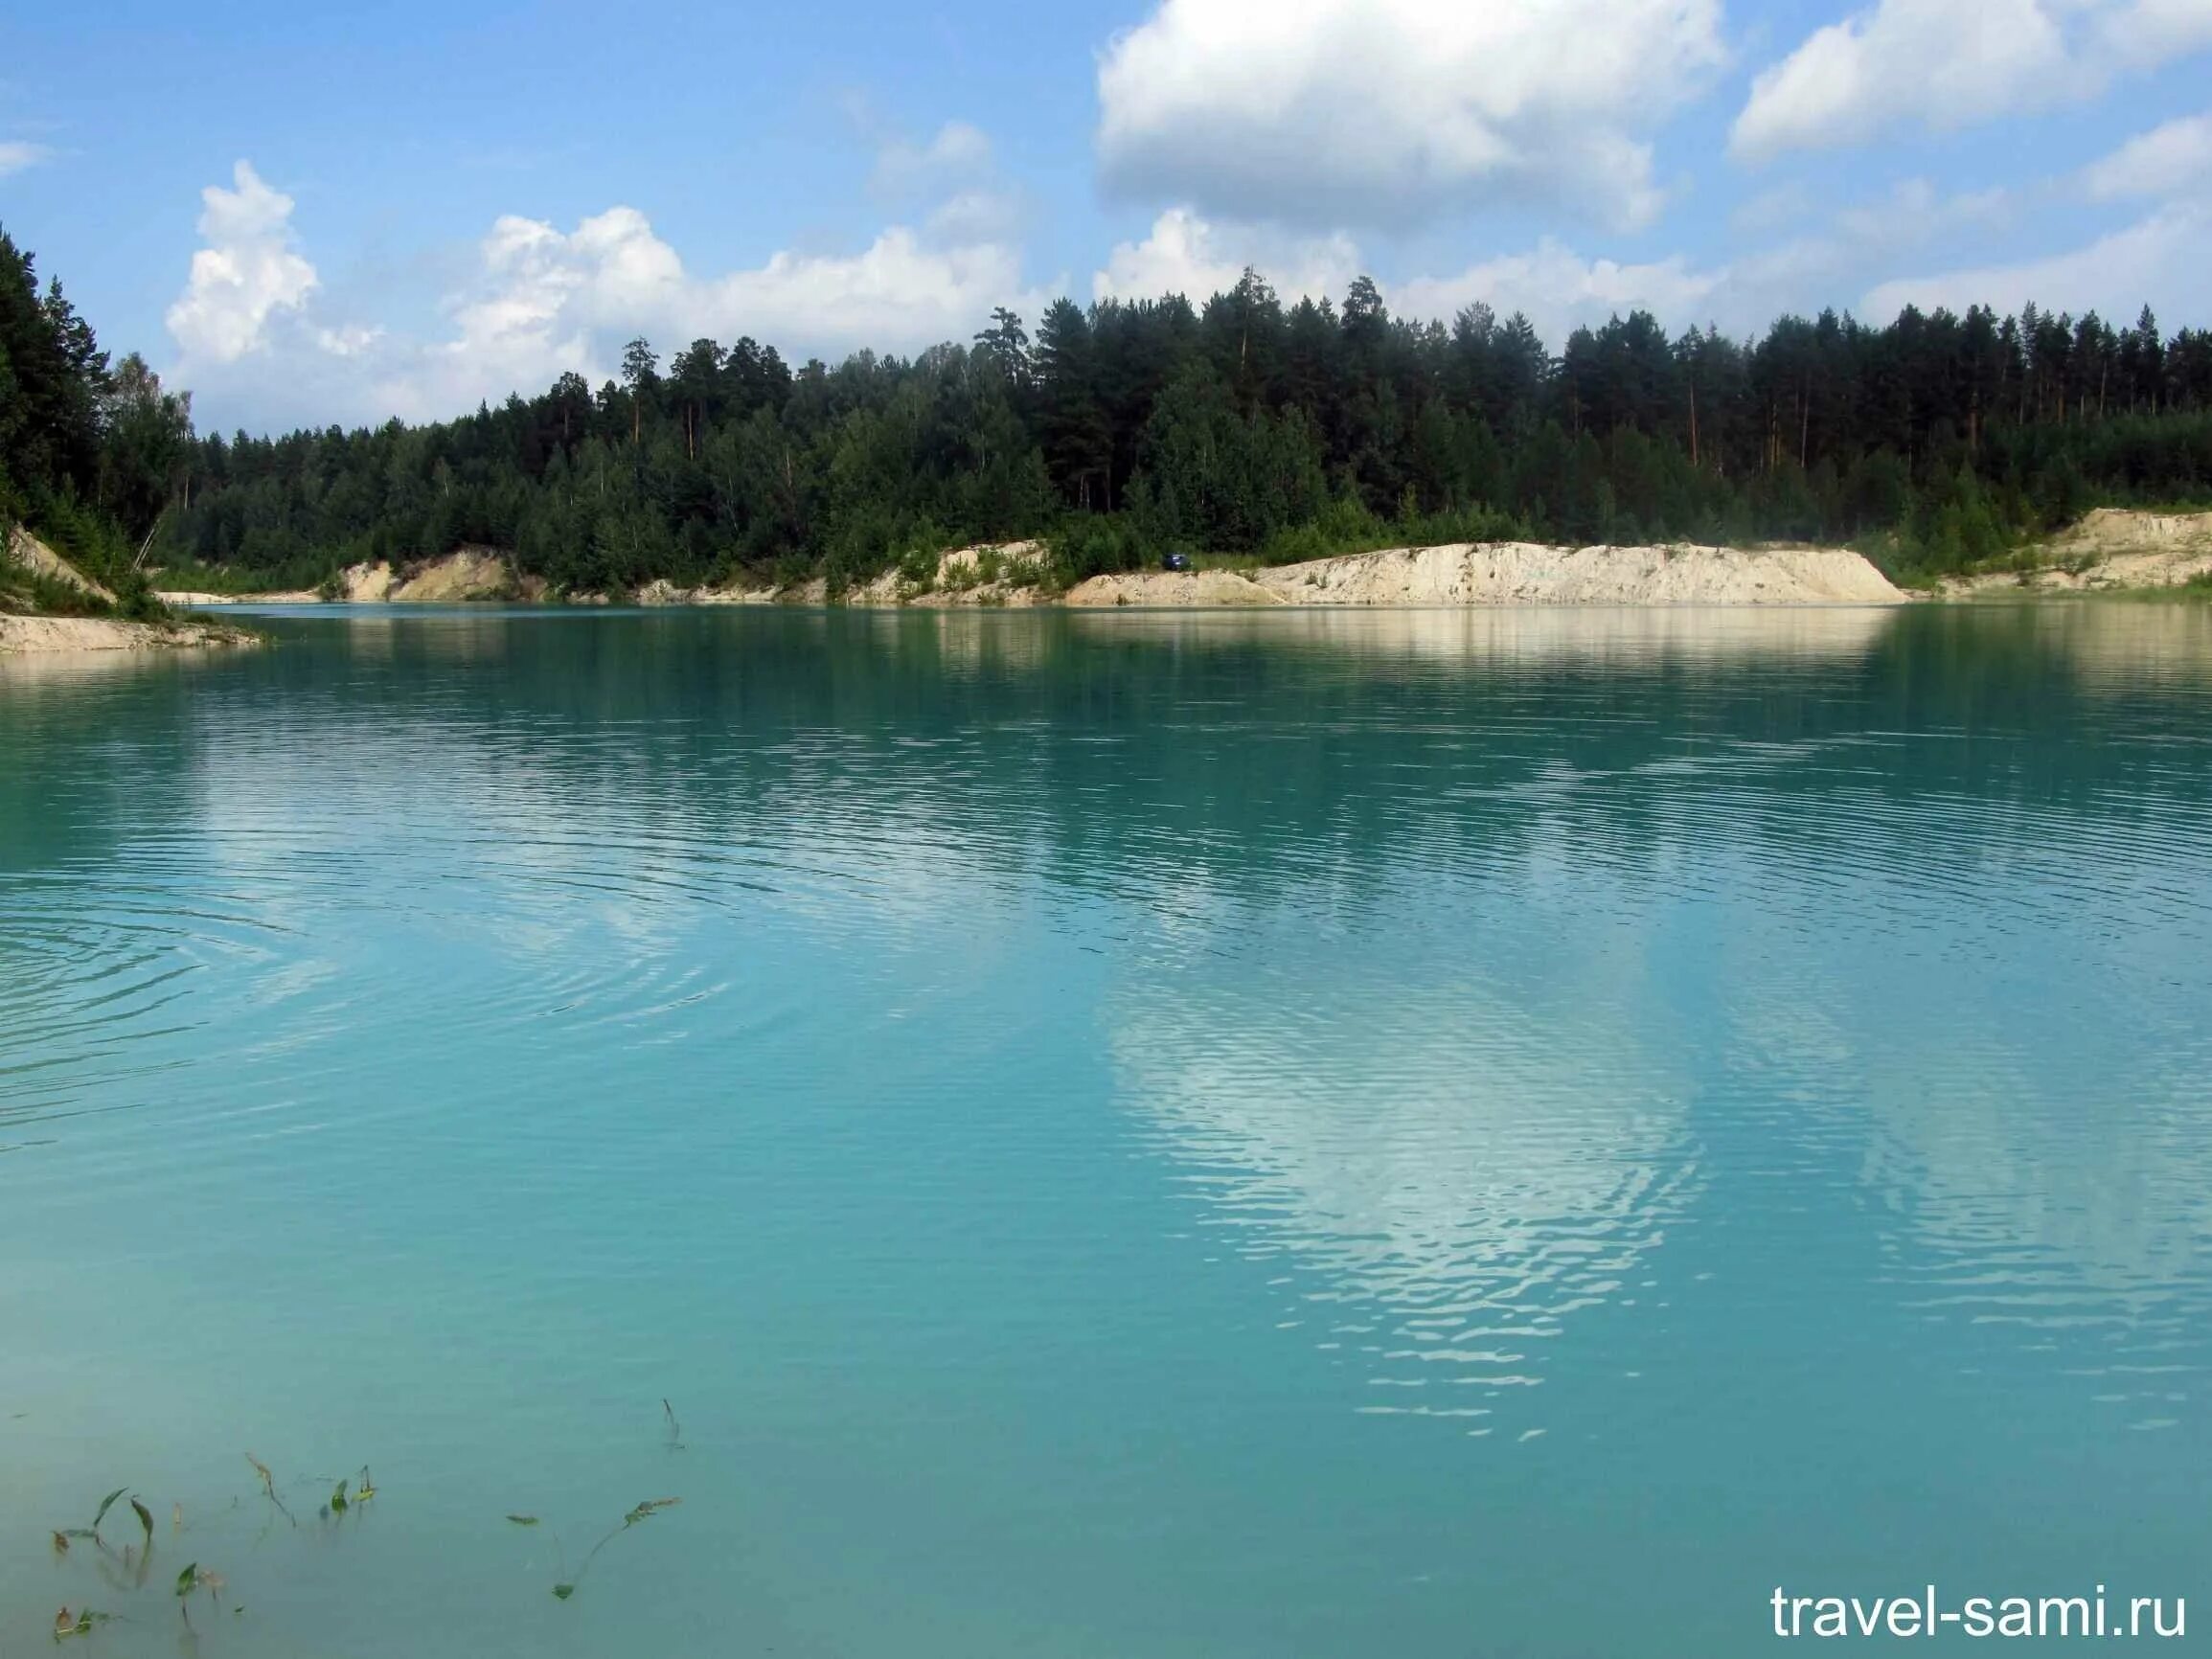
(1458, 575)
(1521, 573)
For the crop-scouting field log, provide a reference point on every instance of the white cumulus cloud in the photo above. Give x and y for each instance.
(1334, 112)
(538, 301)
(247, 271)
(1948, 63)
(1558, 291)
(546, 300)
(1186, 255)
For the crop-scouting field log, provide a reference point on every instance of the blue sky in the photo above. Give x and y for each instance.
(326, 214)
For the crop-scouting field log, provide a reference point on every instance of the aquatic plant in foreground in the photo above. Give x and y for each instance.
(567, 1586)
(128, 1569)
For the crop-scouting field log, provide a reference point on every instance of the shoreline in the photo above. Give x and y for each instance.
(2111, 551)
(23, 632)
(25, 635)
(1013, 575)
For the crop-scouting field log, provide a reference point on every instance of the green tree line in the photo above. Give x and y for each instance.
(91, 454)
(1243, 425)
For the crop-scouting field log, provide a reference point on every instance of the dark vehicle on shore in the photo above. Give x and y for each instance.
(1175, 561)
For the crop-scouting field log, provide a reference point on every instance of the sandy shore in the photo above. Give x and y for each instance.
(88, 633)
(21, 634)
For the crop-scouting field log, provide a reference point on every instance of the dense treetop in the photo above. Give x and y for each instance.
(1240, 426)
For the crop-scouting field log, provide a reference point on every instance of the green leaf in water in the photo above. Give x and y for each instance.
(339, 1500)
(523, 1520)
(144, 1518)
(188, 1581)
(106, 1504)
(562, 1592)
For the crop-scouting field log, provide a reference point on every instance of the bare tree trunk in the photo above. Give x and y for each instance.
(148, 544)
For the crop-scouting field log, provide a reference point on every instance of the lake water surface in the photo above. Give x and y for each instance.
(1194, 1136)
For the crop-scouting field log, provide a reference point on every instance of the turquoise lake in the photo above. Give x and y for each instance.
(1171, 1136)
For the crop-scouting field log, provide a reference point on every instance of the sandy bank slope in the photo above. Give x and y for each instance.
(1521, 573)
(32, 554)
(466, 573)
(2111, 548)
(87, 633)
(1003, 574)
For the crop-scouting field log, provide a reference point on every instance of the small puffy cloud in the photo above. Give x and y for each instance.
(898, 293)
(1558, 291)
(1948, 63)
(18, 154)
(348, 341)
(546, 302)
(1334, 112)
(1185, 254)
(2172, 160)
(246, 272)
(2158, 261)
